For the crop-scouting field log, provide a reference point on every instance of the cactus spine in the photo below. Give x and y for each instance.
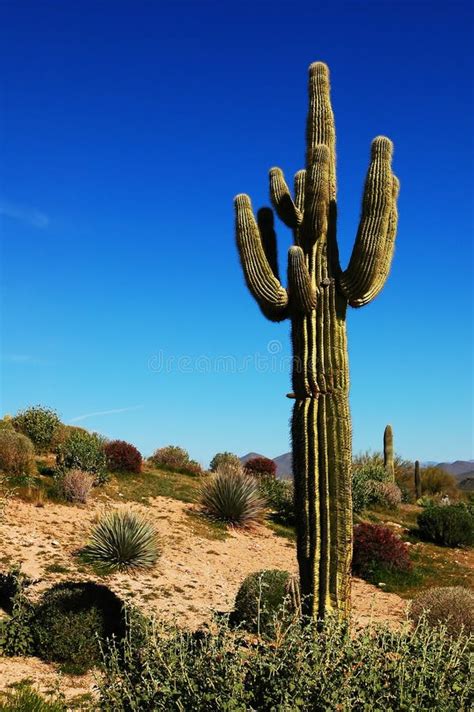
(417, 480)
(315, 301)
(388, 461)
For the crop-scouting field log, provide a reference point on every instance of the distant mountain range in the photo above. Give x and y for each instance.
(462, 470)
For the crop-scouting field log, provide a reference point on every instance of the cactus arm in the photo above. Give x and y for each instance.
(261, 281)
(282, 201)
(315, 222)
(300, 181)
(301, 292)
(320, 127)
(373, 249)
(269, 242)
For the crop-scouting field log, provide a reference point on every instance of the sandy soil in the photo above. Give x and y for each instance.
(194, 575)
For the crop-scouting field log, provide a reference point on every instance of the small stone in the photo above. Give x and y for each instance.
(381, 584)
(54, 542)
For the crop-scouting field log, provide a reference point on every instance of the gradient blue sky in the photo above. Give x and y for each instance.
(127, 129)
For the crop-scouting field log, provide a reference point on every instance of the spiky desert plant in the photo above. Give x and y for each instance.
(120, 541)
(316, 301)
(418, 491)
(233, 496)
(388, 461)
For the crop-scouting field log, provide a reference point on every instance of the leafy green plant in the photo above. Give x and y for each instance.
(176, 459)
(17, 454)
(438, 482)
(279, 497)
(450, 606)
(366, 479)
(223, 458)
(169, 669)
(16, 637)
(83, 451)
(122, 540)
(72, 619)
(447, 525)
(266, 599)
(39, 424)
(232, 496)
(22, 697)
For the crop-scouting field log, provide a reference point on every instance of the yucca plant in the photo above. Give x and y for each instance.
(233, 496)
(120, 541)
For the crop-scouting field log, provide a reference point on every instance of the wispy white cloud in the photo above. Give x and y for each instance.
(24, 214)
(19, 358)
(112, 411)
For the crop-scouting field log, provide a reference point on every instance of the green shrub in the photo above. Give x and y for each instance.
(39, 424)
(279, 496)
(398, 670)
(366, 479)
(122, 540)
(450, 606)
(265, 600)
(17, 454)
(83, 451)
(447, 525)
(223, 458)
(23, 698)
(232, 496)
(438, 482)
(170, 456)
(71, 620)
(6, 423)
(16, 636)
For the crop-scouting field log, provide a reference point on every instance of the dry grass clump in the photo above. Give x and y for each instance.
(451, 606)
(76, 485)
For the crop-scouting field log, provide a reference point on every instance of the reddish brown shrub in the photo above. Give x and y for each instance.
(377, 546)
(260, 467)
(122, 457)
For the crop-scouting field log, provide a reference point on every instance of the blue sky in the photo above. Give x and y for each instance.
(127, 129)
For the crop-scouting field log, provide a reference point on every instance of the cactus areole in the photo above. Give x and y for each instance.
(315, 301)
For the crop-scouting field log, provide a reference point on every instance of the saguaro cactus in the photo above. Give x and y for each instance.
(388, 461)
(417, 480)
(315, 301)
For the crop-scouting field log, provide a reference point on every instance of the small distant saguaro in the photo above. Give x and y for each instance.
(315, 301)
(417, 480)
(388, 460)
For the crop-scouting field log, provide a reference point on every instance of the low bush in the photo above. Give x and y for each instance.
(122, 457)
(260, 467)
(233, 496)
(83, 451)
(75, 485)
(435, 481)
(170, 456)
(223, 458)
(176, 459)
(366, 481)
(17, 454)
(170, 669)
(122, 540)
(388, 494)
(72, 619)
(39, 424)
(450, 606)
(279, 497)
(447, 525)
(6, 423)
(377, 547)
(16, 636)
(265, 600)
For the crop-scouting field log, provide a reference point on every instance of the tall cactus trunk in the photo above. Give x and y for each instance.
(316, 302)
(388, 457)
